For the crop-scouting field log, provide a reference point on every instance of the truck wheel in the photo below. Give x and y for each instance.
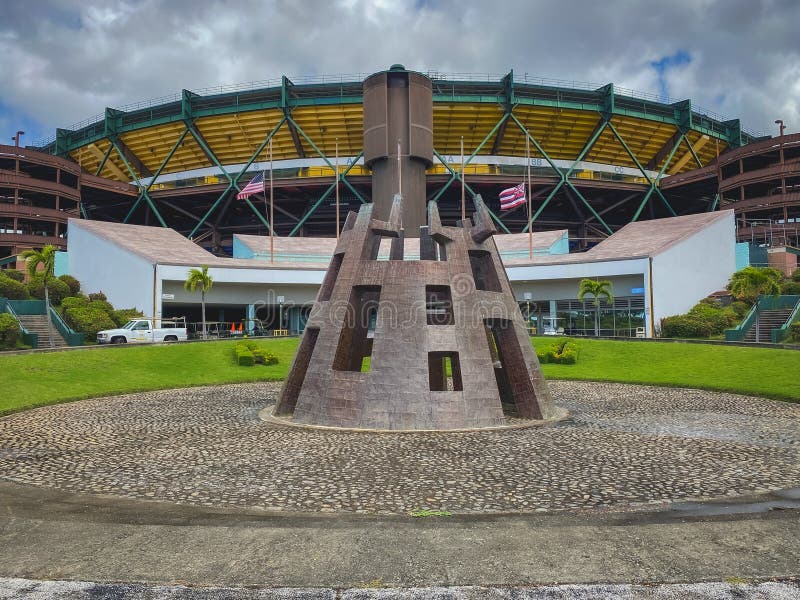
(118, 340)
(170, 338)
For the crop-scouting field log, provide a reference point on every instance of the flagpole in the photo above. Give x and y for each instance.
(271, 209)
(463, 202)
(399, 172)
(337, 188)
(530, 224)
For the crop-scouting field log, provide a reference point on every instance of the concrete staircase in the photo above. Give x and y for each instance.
(767, 320)
(38, 324)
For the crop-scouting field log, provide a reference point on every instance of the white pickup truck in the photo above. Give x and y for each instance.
(143, 331)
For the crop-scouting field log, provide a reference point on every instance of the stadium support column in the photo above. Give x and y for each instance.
(398, 118)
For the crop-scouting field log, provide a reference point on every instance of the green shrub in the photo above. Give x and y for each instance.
(88, 321)
(739, 308)
(74, 284)
(249, 348)
(98, 296)
(103, 305)
(562, 352)
(13, 274)
(58, 289)
(244, 358)
(796, 275)
(794, 332)
(13, 289)
(123, 315)
(264, 357)
(790, 288)
(9, 331)
(78, 301)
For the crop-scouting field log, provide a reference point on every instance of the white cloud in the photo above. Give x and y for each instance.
(65, 61)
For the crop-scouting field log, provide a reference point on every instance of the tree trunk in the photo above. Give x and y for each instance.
(203, 310)
(47, 312)
(597, 321)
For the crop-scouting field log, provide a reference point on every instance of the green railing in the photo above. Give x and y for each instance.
(71, 337)
(780, 334)
(27, 307)
(28, 338)
(738, 333)
(8, 260)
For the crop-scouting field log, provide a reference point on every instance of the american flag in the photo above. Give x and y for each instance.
(512, 197)
(255, 186)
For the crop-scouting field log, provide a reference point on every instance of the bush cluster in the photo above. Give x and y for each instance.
(249, 353)
(12, 289)
(794, 332)
(57, 288)
(74, 284)
(88, 316)
(562, 352)
(14, 274)
(9, 331)
(706, 319)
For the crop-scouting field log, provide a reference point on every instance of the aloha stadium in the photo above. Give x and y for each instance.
(659, 197)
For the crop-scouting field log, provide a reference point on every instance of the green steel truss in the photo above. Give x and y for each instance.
(287, 97)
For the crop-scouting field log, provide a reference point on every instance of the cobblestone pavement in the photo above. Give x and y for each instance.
(622, 445)
(26, 589)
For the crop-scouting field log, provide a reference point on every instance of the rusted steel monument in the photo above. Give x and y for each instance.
(396, 343)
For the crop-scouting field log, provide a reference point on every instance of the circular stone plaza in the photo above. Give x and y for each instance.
(424, 453)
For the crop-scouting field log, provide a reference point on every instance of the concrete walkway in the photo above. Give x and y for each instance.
(52, 535)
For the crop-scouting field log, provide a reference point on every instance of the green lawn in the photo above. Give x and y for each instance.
(37, 379)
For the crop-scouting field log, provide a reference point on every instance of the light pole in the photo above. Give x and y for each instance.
(16, 138)
(781, 126)
(280, 312)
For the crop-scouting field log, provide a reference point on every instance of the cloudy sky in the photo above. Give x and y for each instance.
(65, 60)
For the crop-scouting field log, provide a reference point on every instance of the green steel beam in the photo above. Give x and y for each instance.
(653, 186)
(497, 126)
(660, 175)
(135, 177)
(170, 154)
(694, 154)
(105, 158)
(472, 193)
(260, 149)
(715, 203)
(589, 206)
(565, 176)
(325, 158)
(213, 207)
(327, 193)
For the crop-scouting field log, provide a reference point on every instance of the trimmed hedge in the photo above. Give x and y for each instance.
(58, 289)
(88, 321)
(794, 332)
(13, 289)
(705, 319)
(563, 352)
(249, 353)
(13, 274)
(79, 301)
(74, 284)
(244, 358)
(9, 331)
(123, 315)
(98, 296)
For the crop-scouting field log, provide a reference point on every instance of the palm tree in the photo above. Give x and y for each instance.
(751, 282)
(47, 258)
(596, 289)
(200, 278)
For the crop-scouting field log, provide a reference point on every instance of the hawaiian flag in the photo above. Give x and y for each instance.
(512, 197)
(255, 186)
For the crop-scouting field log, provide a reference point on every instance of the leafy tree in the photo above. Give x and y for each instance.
(199, 278)
(596, 289)
(751, 282)
(46, 257)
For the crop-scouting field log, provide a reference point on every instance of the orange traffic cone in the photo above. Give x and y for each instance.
(240, 328)
(233, 327)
